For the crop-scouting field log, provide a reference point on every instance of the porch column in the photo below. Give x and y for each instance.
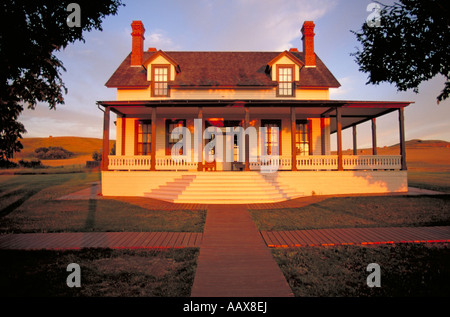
(247, 138)
(293, 135)
(200, 141)
(124, 127)
(339, 138)
(401, 121)
(355, 146)
(105, 152)
(153, 153)
(322, 135)
(374, 136)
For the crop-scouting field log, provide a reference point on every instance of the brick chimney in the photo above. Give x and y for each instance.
(308, 43)
(137, 48)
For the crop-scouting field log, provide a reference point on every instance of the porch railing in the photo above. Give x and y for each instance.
(167, 163)
(360, 162)
(317, 162)
(282, 163)
(135, 162)
(143, 163)
(330, 162)
(312, 162)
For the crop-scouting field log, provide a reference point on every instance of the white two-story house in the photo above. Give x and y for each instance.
(281, 99)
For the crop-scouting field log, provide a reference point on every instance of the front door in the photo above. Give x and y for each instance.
(233, 148)
(212, 166)
(232, 141)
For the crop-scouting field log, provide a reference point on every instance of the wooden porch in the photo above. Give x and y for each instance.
(341, 114)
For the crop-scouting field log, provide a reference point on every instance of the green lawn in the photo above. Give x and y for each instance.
(28, 204)
(103, 273)
(431, 179)
(406, 270)
(360, 211)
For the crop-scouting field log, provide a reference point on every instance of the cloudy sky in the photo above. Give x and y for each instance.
(233, 25)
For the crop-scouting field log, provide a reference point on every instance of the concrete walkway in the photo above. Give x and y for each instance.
(234, 261)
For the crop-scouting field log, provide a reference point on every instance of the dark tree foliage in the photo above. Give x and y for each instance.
(52, 153)
(410, 45)
(30, 33)
(10, 130)
(97, 156)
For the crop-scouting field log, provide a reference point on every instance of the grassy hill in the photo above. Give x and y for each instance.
(420, 154)
(428, 162)
(81, 147)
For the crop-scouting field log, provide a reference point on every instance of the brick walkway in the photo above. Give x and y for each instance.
(113, 240)
(233, 259)
(362, 236)
(272, 239)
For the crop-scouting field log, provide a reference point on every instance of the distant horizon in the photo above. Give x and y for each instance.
(87, 137)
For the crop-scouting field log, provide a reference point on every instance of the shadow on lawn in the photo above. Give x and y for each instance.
(24, 196)
(92, 208)
(24, 189)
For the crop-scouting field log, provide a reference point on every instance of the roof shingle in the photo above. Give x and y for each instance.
(216, 69)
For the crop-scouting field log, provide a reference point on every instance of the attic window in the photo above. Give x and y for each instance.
(285, 80)
(160, 80)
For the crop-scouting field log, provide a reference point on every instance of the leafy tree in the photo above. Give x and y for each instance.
(97, 156)
(10, 131)
(52, 153)
(410, 44)
(30, 33)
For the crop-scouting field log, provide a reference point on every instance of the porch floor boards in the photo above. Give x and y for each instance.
(355, 236)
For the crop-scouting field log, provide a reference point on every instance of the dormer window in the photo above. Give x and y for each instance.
(160, 80)
(285, 80)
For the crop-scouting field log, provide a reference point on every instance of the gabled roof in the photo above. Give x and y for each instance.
(164, 55)
(222, 69)
(289, 55)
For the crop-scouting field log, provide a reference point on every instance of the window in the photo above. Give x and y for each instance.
(144, 137)
(272, 140)
(302, 137)
(170, 142)
(160, 80)
(285, 80)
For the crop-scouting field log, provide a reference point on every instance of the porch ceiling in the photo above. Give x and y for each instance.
(352, 112)
(353, 116)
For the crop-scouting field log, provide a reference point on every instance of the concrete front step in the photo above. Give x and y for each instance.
(250, 192)
(215, 188)
(233, 187)
(224, 186)
(227, 195)
(233, 199)
(226, 201)
(239, 190)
